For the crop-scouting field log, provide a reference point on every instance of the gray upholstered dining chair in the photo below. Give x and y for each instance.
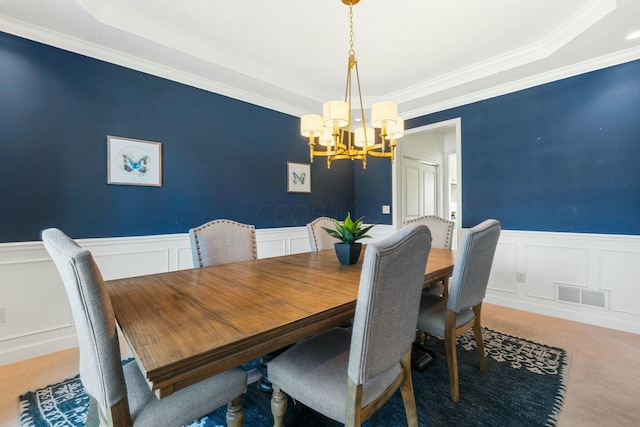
(318, 238)
(120, 395)
(347, 376)
(453, 316)
(222, 241)
(442, 231)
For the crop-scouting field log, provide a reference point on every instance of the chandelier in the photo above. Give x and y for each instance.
(335, 131)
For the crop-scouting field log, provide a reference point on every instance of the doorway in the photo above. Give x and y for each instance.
(419, 188)
(438, 145)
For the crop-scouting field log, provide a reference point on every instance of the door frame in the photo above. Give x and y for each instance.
(396, 206)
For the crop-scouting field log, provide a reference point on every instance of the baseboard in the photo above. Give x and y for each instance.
(589, 318)
(38, 348)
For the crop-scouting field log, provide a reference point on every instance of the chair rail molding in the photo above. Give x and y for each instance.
(582, 277)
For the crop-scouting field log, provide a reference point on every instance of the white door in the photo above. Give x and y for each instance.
(419, 188)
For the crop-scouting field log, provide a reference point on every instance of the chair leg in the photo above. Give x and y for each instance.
(353, 415)
(452, 356)
(278, 406)
(93, 413)
(477, 332)
(445, 291)
(118, 415)
(235, 413)
(406, 389)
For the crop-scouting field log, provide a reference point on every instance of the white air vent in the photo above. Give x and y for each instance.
(569, 294)
(576, 295)
(595, 298)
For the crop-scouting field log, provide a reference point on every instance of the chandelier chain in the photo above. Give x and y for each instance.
(351, 51)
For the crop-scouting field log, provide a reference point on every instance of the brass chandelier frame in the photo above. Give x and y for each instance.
(334, 129)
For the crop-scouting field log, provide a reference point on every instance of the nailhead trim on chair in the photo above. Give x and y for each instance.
(437, 218)
(221, 221)
(314, 222)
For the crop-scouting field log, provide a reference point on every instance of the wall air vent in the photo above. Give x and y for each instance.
(569, 294)
(576, 295)
(595, 298)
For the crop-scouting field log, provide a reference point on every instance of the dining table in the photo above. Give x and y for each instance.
(187, 325)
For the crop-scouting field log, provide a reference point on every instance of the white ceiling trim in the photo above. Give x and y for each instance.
(581, 21)
(129, 21)
(560, 36)
(522, 84)
(94, 7)
(116, 16)
(92, 50)
(223, 60)
(115, 57)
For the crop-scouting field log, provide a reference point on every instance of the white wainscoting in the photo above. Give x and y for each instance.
(587, 278)
(37, 318)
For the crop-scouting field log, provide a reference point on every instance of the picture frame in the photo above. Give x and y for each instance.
(298, 177)
(134, 162)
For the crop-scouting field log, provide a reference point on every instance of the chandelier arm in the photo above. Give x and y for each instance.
(347, 156)
(311, 145)
(392, 148)
(383, 135)
(390, 154)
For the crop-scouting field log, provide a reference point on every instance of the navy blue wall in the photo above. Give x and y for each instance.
(561, 157)
(222, 158)
(373, 189)
(558, 157)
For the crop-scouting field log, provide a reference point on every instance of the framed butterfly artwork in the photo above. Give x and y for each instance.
(134, 162)
(298, 177)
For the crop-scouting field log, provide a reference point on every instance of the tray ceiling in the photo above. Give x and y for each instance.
(426, 55)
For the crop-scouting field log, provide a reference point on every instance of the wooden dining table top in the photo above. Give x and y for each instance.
(187, 325)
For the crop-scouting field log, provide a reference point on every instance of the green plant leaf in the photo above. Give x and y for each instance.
(349, 231)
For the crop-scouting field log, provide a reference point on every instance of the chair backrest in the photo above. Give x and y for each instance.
(222, 241)
(319, 239)
(388, 302)
(100, 366)
(473, 265)
(441, 230)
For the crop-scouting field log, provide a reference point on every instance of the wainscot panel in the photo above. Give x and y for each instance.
(37, 315)
(588, 278)
(580, 277)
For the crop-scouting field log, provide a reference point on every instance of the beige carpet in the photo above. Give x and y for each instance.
(603, 387)
(604, 371)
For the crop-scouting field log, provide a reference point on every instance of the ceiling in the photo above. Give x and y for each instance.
(291, 56)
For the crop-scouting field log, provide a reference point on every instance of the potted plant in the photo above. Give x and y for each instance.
(349, 232)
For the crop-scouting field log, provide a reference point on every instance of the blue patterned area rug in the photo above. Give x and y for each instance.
(524, 385)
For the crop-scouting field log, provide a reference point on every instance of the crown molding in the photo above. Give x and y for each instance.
(95, 8)
(582, 20)
(290, 103)
(618, 58)
(116, 16)
(101, 53)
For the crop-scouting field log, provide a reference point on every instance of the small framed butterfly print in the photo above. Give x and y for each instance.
(134, 162)
(298, 177)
